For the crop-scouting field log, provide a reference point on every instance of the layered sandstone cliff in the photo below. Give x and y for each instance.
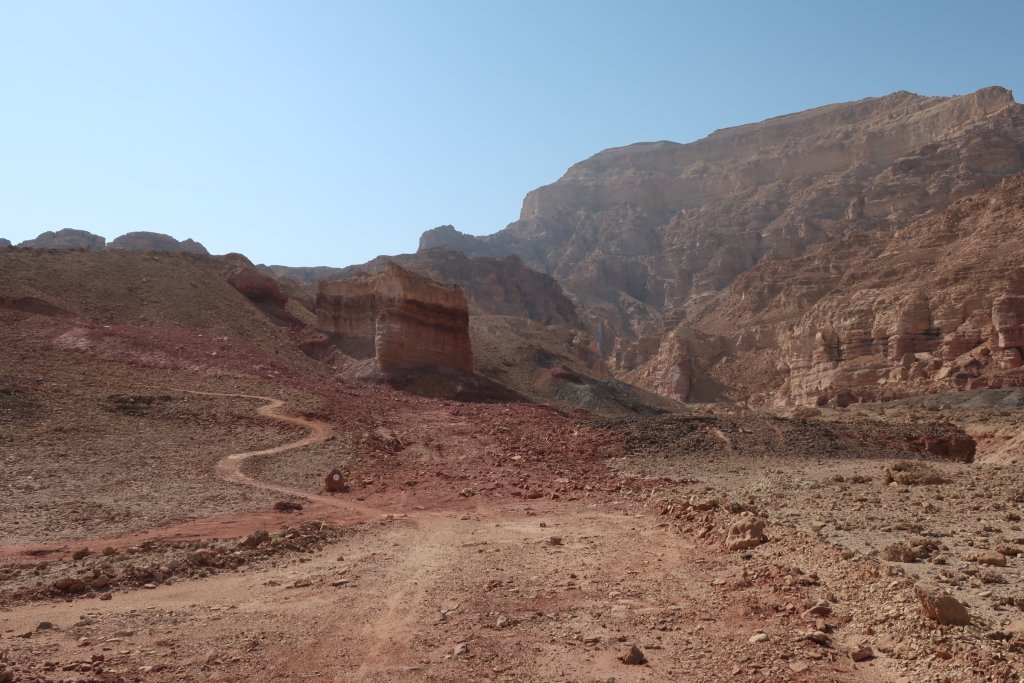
(938, 306)
(401, 319)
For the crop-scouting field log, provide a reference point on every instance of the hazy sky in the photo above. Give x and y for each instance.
(309, 133)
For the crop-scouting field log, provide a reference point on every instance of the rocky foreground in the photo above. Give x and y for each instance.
(503, 542)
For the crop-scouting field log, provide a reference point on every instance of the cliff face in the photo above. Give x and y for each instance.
(938, 306)
(401, 319)
(735, 237)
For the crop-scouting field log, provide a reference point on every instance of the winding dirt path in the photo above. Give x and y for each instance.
(229, 468)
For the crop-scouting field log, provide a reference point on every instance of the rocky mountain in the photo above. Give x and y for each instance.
(155, 241)
(4, 243)
(690, 259)
(69, 238)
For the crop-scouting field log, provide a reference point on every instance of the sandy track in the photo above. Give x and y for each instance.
(229, 468)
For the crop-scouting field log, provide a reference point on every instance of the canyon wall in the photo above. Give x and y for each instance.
(700, 267)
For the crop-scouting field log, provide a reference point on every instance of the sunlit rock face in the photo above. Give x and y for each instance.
(759, 240)
(403, 320)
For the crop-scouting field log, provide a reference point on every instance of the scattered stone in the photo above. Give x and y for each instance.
(901, 552)
(45, 626)
(862, 654)
(820, 609)
(939, 605)
(302, 583)
(746, 533)
(287, 506)
(256, 539)
(991, 558)
(635, 656)
(555, 540)
(467, 493)
(758, 638)
(461, 650)
(911, 473)
(80, 554)
(818, 637)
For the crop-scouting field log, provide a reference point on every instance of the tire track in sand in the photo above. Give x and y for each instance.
(229, 469)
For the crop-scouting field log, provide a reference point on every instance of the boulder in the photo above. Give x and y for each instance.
(746, 533)
(940, 606)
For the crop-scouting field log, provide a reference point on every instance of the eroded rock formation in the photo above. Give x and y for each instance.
(399, 318)
(939, 306)
(740, 238)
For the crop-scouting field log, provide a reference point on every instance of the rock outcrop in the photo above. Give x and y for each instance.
(740, 235)
(938, 605)
(68, 238)
(256, 286)
(937, 306)
(155, 241)
(404, 321)
(4, 243)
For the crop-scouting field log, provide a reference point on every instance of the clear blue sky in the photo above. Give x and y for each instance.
(308, 133)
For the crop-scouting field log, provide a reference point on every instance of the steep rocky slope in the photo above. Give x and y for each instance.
(653, 237)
